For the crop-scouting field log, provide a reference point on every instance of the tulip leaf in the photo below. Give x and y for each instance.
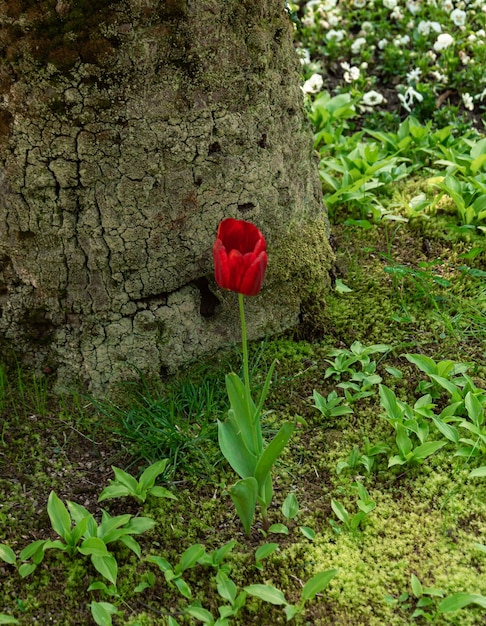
(244, 496)
(244, 412)
(272, 452)
(234, 450)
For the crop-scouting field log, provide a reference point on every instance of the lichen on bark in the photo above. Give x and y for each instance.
(128, 130)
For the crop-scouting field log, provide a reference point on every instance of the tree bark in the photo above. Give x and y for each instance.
(128, 130)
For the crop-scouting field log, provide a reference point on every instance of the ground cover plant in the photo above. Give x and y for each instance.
(127, 511)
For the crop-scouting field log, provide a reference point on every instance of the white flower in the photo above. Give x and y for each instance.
(401, 40)
(439, 77)
(408, 97)
(465, 59)
(337, 35)
(396, 14)
(333, 19)
(414, 75)
(358, 44)
(481, 33)
(448, 5)
(372, 98)
(327, 5)
(313, 84)
(444, 40)
(304, 55)
(390, 4)
(468, 101)
(413, 6)
(424, 28)
(359, 4)
(367, 27)
(458, 17)
(351, 73)
(382, 44)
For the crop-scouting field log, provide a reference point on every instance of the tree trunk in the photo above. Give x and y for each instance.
(128, 130)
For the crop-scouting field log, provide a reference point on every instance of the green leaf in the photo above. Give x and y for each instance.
(106, 566)
(244, 414)
(404, 442)
(427, 449)
(234, 450)
(149, 476)
(59, 516)
(474, 409)
(200, 614)
(162, 492)
(183, 588)
(389, 403)
(115, 490)
(309, 533)
(139, 525)
(102, 612)
(340, 511)
(340, 287)
(290, 506)
(7, 554)
(226, 587)
(93, 546)
(447, 430)
(272, 452)
(8, 619)
(244, 495)
(26, 569)
(317, 583)
(189, 558)
(125, 479)
(279, 529)
(265, 550)
(267, 593)
(459, 600)
(479, 472)
(417, 588)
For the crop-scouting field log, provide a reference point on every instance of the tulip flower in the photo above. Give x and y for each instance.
(240, 257)
(240, 261)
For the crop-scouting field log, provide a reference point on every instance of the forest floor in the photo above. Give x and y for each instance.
(399, 289)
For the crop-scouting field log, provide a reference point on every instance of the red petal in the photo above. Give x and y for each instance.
(252, 279)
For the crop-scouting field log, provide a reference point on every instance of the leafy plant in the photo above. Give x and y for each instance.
(352, 522)
(173, 575)
(329, 407)
(126, 485)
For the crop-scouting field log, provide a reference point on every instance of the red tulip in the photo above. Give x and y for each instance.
(240, 257)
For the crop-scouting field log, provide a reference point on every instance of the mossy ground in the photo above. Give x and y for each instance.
(427, 519)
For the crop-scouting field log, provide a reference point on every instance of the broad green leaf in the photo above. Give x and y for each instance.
(183, 588)
(244, 495)
(162, 492)
(447, 430)
(149, 476)
(26, 569)
(234, 450)
(267, 593)
(93, 546)
(7, 554)
(448, 386)
(125, 479)
(131, 544)
(244, 414)
(459, 600)
(279, 529)
(264, 392)
(59, 516)
(265, 550)
(161, 563)
(171, 621)
(8, 619)
(479, 472)
(220, 553)
(404, 442)
(427, 449)
(340, 511)
(106, 566)
(139, 525)
(189, 558)
(226, 587)
(416, 586)
(474, 409)
(424, 363)
(102, 612)
(290, 506)
(291, 611)
(79, 513)
(389, 403)
(309, 533)
(272, 452)
(317, 583)
(115, 490)
(202, 615)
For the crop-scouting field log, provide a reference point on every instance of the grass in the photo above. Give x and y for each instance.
(390, 492)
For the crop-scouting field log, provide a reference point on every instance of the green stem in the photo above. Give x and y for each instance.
(244, 344)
